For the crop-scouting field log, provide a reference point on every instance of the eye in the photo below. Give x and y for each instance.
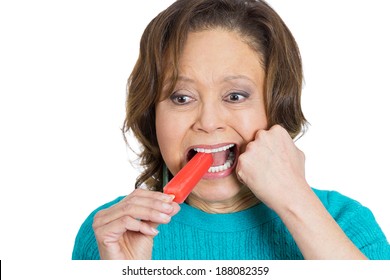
(236, 97)
(180, 99)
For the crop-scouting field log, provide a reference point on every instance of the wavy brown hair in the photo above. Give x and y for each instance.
(161, 46)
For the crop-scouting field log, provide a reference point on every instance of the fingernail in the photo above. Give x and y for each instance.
(168, 197)
(154, 231)
(167, 206)
(165, 217)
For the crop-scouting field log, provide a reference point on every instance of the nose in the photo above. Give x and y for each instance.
(210, 118)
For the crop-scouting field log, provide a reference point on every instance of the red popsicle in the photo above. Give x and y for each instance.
(186, 179)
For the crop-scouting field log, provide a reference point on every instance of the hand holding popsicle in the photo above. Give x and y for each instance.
(126, 230)
(186, 179)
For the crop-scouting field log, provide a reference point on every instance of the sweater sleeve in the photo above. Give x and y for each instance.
(85, 246)
(359, 224)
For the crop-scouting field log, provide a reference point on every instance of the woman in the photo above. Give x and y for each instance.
(224, 77)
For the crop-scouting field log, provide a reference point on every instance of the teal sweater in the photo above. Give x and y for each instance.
(255, 233)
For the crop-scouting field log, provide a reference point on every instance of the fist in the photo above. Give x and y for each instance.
(273, 167)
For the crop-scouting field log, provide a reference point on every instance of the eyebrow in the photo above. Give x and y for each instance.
(225, 79)
(185, 79)
(238, 77)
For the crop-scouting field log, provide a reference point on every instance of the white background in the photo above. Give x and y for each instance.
(63, 72)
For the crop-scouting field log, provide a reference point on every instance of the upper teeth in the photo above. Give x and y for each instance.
(208, 151)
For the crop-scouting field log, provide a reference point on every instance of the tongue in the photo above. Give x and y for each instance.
(220, 157)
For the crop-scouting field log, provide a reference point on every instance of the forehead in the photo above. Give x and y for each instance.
(214, 54)
(218, 45)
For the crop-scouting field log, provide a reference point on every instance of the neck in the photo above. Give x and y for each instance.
(244, 199)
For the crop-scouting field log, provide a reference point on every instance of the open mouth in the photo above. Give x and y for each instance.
(223, 157)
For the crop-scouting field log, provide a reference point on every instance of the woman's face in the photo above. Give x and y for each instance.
(217, 105)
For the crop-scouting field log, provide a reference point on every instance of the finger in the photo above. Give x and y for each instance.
(118, 227)
(241, 161)
(133, 211)
(161, 218)
(151, 194)
(261, 133)
(113, 231)
(239, 178)
(137, 207)
(176, 209)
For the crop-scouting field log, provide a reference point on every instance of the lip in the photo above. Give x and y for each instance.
(221, 174)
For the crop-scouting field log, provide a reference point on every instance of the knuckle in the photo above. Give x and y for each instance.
(96, 227)
(97, 219)
(279, 130)
(125, 220)
(277, 127)
(98, 215)
(131, 200)
(153, 214)
(98, 232)
(128, 206)
(249, 147)
(136, 192)
(261, 133)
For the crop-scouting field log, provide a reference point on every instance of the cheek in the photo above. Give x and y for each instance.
(170, 131)
(163, 130)
(249, 122)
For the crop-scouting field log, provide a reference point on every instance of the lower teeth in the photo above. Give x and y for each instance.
(223, 167)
